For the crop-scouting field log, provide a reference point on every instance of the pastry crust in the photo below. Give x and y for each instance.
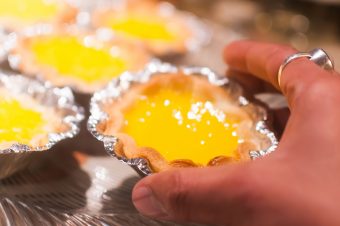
(136, 60)
(176, 22)
(66, 14)
(200, 87)
(52, 118)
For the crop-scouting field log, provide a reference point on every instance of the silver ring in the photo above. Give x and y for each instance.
(318, 56)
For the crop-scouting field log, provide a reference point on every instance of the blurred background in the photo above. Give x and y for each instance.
(304, 24)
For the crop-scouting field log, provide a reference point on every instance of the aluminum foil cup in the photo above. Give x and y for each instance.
(18, 156)
(4, 44)
(2, 40)
(121, 85)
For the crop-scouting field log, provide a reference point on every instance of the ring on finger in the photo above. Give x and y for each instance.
(318, 56)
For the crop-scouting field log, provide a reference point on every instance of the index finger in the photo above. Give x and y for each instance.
(263, 60)
(259, 59)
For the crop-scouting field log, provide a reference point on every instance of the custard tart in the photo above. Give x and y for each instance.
(30, 116)
(33, 117)
(176, 120)
(24, 121)
(16, 14)
(67, 57)
(159, 26)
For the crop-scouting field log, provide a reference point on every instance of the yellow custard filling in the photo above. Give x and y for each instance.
(29, 10)
(18, 123)
(70, 57)
(142, 27)
(181, 126)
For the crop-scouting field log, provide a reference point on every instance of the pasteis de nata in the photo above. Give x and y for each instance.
(24, 120)
(162, 33)
(175, 120)
(77, 60)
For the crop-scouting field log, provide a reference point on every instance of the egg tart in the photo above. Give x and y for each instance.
(159, 26)
(177, 120)
(70, 58)
(16, 14)
(33, 117)
(28, 116)
(24, 121)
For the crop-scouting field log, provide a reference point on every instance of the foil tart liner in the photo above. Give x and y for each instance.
(18, 156)
(122, 84)
(90, 37)
(201, 34)
(4, 43)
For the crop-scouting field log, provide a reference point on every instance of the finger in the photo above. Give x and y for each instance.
(207, 195)
(312, 124)
(250, 84)
(269, 88)
(313, 95)
(263, 60)
(280, 120)
(259, 59)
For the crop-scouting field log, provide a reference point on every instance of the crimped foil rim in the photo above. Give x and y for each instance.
(202, 34)
(4, 43)
(15, 59)
(62, 97)
(121, 84)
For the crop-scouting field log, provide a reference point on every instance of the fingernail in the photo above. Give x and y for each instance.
(147, 204)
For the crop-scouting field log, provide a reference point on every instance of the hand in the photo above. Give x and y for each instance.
(299, 184)
(253, 87)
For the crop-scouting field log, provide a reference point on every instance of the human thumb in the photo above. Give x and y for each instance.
(201, 195)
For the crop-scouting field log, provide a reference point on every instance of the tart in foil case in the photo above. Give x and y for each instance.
(196, 118)
(85, 60)
(35, 116)
(159, 26)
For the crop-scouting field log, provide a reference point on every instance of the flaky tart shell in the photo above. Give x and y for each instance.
(128, 148)
(178, 21)
(132, 53)
(51, 116)
(66, 14)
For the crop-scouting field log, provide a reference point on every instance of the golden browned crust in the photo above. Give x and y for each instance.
(176, 21)
(221, 160)
(135, 60)
(53, 119)
(66, 14)
(128, 148)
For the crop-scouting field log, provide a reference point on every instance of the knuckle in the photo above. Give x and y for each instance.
(177, 197)
(275, 58)
(325, 90)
